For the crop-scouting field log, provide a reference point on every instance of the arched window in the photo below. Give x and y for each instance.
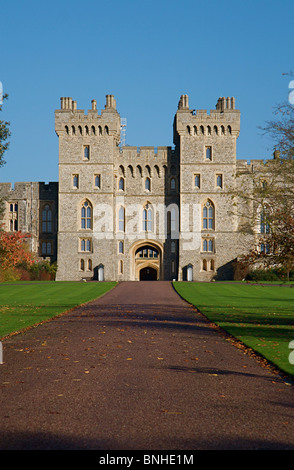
(121, 247)
(219, 181)
(208, 153)
(99, 130)
(86, 152)
(73, 130)
(208, 216)
(204, 265)
(47, 219)
(75, 181)
(210, 245)
(86, 215)
(93, 130)
(121, 184)
(121, 219)
(146, 251)
(82, 265)
(89, 265)
(197, 180)
(264, 225)
(106, 130)
(147, 184)
(66, 129)
(173, 184)
(147, 219)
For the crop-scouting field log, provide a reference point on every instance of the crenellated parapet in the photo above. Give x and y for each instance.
(71, 121)
(222, 121)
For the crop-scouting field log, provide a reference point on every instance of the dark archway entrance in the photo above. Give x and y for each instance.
(148, 274)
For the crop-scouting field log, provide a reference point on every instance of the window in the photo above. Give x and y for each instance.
(97, 181)
(121, 219)
(173, 267)
(47, 219)
(265, 248)
(146, 252)
(82, 265)
(208, 215)
(89, 265)
(147, 184)
(264, 225)
(219, 181)
(121, 267)
(86, 215)
(86, 152)
(147, 218)
(173, 247)
(13, 217)
(86, 244)
(121, 247)
(46, 248)
(75, 181)
(173, 184)
(121, 184)
(208, 245)
(197, 181)
(208, 153)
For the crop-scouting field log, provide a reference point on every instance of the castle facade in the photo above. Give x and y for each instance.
(127, 213)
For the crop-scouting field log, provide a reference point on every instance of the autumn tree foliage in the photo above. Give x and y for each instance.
(272, 198)
(14, 250)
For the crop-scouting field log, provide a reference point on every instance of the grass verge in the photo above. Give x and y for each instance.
(261, 317)
(24, 304)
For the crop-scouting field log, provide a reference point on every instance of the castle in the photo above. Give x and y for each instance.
(127, 213)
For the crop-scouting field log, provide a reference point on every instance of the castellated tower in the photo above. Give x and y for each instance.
(206, 143)
(88, 148)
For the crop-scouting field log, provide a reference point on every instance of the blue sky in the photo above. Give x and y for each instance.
(147, 54)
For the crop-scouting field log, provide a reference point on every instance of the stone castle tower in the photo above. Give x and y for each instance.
(128, 213)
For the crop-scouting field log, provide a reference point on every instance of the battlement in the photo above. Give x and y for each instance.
(75, 122)
(147, 152)
(224, 120)
(68, 104)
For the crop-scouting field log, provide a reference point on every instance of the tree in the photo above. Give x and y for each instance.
(272, 197)
(4, 135)
(14, 250)
(4, 144)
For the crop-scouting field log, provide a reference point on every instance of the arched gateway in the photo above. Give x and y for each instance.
(146, 261)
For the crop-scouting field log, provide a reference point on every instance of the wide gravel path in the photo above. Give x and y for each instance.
(138, 368)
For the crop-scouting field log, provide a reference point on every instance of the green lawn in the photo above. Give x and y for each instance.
(24, 304)
(262, 317)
